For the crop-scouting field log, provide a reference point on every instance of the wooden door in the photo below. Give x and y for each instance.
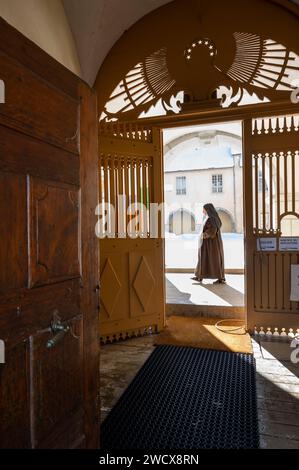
(271, 146)
(132, 255)
(48, 252)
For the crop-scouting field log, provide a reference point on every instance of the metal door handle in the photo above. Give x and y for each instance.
(60, 330)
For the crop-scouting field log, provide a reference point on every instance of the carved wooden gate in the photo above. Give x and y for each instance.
(131, 244)
(272, 218)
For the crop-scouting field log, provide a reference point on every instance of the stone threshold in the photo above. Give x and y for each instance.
(191, 310)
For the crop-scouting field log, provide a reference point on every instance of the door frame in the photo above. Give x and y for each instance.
(209, 116)
(202, 120)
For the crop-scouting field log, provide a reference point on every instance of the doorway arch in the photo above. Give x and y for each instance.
(161, 76)
(181, 222)
(144, 86)
(228, 224)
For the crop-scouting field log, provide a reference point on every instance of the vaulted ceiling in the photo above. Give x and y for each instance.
(98, 24)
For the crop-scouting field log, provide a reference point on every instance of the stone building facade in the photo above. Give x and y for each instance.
(200, 166)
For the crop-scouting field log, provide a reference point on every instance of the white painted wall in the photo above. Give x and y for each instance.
(46, 24)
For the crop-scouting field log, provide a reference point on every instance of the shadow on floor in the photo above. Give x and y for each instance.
(277, 381)
(280, 351)
(174, 294)
(225, 292)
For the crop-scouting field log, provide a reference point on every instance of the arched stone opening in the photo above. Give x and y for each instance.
(242, 58)
(181, 222)
(290, 225)
(228, 224)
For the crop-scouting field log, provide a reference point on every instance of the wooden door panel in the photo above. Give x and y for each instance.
(271, 175)
(13, 231)
(132, 258)
(114, 269)
(129, 287)
(14, 394)
(54, 232)
(24, 154)
(37, 108)
(272, 282)
(143, 281)
(69, 435)
(20, 312)
(57, 386)
(48, 252)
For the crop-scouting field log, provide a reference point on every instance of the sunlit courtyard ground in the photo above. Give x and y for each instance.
(180, 289)
(181, 250)
(181, 253)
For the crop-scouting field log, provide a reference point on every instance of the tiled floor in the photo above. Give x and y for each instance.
(120, 363)
(180, 289)
(278, 395)
(277, 385)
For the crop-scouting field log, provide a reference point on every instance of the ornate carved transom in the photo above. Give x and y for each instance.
(237, 66)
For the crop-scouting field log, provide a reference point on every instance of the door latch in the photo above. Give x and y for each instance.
(59, 331)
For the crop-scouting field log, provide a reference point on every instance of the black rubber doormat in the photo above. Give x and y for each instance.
(187, 398)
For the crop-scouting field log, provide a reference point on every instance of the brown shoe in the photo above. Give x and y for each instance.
(196, 279)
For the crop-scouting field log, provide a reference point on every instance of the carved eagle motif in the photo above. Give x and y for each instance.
(262, 68)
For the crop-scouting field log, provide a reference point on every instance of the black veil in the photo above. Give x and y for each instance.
(213, 215)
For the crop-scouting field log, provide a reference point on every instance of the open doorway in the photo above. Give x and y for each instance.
(203, 164)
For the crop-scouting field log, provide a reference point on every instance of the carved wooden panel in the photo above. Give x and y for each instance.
(54, 232)
(142, 283)
(125, 265)
(275, 173)
(132, 280)
(272, 210)
(132, 299)
(56, 378)
(242, 60)
(272, 286)
(13, 231)
(14, 398)
(126, 184)
(113, 284)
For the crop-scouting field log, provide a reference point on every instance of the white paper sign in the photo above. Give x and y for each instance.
(294, 283)
(266, 244)
(289, 244)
